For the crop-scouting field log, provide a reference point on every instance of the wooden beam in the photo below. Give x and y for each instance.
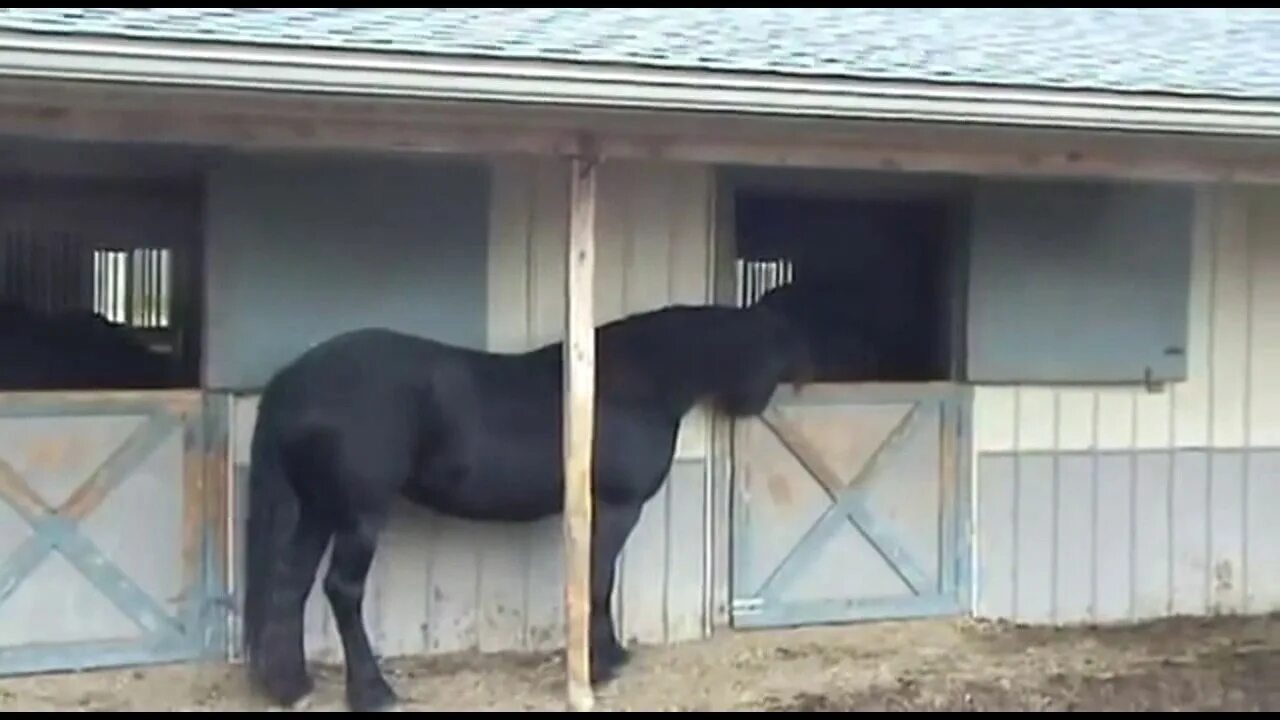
(579, 415)
(284, 122)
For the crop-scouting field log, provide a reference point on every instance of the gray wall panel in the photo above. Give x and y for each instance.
(301, 248)
(1079, 282)
(1081, 537)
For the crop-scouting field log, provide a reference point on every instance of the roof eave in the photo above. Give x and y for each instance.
(535, 83)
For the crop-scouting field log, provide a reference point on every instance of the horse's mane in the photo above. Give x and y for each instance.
(645, 325)
(667, 349)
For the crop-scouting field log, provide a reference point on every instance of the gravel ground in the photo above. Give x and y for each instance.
(1182, 664)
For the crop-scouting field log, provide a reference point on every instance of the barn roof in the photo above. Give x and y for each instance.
(1206, 52)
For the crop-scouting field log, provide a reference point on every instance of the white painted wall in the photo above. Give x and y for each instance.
(1119, 503)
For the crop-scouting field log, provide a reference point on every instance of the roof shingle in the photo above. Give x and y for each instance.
(1207, 51)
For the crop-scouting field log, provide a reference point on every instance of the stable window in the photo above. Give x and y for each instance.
(867, 275)
(985, 280)
(101, 282)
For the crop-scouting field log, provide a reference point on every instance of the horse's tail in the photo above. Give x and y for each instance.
(273, 515)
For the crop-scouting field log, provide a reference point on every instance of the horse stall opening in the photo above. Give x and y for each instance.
(922, 291)
(110, 532)
(862, 469)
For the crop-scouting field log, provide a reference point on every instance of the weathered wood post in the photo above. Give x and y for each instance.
(579, 412)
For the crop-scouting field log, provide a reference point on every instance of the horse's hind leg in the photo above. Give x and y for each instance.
(344, 585)
(613, 524)
(283, 670)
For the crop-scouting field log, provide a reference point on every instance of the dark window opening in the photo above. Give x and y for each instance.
(869, 279)
(99, 283)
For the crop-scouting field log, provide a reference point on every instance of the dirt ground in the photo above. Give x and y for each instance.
(1188, 665)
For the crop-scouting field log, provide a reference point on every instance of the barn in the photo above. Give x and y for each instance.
(1046, 245)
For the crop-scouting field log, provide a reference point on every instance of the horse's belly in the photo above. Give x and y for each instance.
(482, 493)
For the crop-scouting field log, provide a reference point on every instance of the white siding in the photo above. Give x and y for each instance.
(1110, 504)
(441, 585)
(653, 248)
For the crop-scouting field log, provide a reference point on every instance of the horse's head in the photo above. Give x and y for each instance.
(734, 358)
(771, 351)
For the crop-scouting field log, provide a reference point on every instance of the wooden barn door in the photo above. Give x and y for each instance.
(110, 530)
(847, 507)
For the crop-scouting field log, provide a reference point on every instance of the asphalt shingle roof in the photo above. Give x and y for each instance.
(1205, 51)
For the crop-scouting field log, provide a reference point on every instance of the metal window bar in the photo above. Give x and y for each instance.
(47, 273)
(150, 288)
(43, 271)
(134, 287)
(757, 277)
(109, 284)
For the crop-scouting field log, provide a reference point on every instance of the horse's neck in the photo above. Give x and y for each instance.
(685, 378)
(679, 399)
(675, 366)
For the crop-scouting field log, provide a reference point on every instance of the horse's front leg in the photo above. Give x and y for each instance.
(612, 525)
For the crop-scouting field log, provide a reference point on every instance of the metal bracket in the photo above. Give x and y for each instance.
(586, 152)
(1149, 382)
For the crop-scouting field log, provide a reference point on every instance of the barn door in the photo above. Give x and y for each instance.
(109, 530)
(846, 506)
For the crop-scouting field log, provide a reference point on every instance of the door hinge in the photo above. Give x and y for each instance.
(748, 605)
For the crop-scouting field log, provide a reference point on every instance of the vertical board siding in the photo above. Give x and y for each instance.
(653, 249)
(439, 584)
(1113, 536)
(1110, 504)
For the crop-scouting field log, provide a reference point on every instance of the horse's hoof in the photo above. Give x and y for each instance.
(618, 656)
(292, 693)
(376, 697)
(602, 674)
(607, 661)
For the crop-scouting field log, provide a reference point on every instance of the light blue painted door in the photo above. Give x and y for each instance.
(110, 531)
(847, 506)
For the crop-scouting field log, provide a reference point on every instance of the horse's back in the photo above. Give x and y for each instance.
(381, 402)
(356, 361)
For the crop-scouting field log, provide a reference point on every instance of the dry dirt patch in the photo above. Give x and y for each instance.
(1221, 664)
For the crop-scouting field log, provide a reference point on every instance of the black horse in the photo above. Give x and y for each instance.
(374, 413)
(847, 339)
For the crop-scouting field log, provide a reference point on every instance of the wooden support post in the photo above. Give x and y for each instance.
(579, 415)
